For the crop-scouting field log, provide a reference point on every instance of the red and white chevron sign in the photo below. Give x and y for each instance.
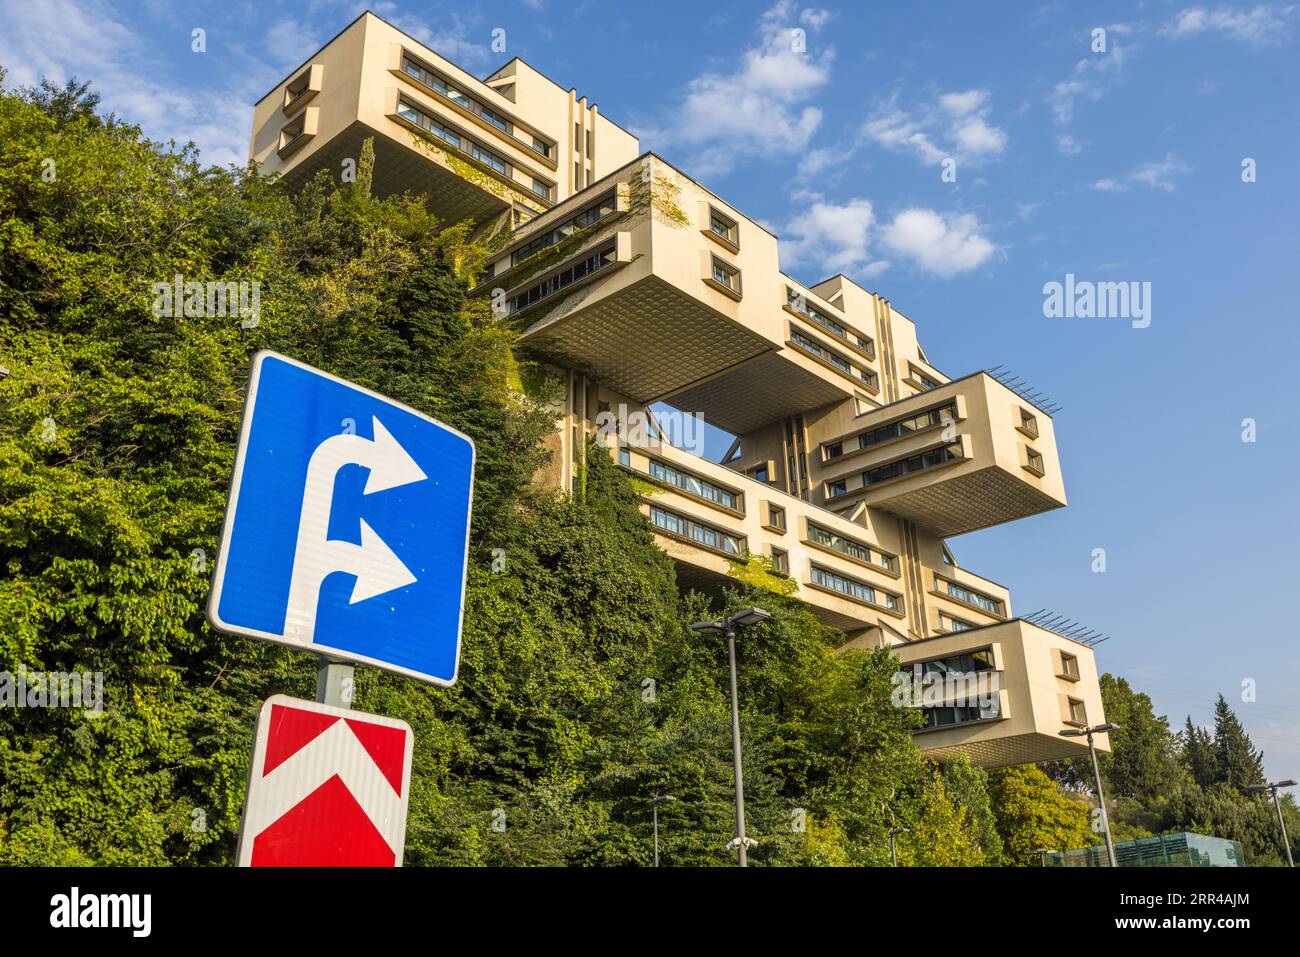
(328, 787)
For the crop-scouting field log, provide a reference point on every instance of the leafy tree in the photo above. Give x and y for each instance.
(1032, 814)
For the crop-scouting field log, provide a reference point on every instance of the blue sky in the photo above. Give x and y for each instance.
(1123, 165)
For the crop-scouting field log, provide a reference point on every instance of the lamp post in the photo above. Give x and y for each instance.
(654, 805)
(893, 852)
(1096, 770)
(1272, 789)
(1042, 853)
(728, 626)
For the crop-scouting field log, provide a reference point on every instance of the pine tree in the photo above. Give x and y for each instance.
(1237, 762)
(1199, 756)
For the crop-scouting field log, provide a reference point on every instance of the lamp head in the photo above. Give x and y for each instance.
(750, 616)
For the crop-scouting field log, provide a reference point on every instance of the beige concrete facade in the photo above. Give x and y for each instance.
(495, 150)
(854, 455)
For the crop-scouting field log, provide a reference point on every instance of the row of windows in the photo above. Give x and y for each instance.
(592, 214)
(834, 358)
(853, 588)
(799, 303)
(945, 715)
(892, 470)
(706, 535)
(413, 114)
(847, 546)
(962, 593)
(435, 82)
(547, 287)
(893, 430)
(696, 486)
(970, 663)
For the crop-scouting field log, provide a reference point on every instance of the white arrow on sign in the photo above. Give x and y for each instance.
(316, 556)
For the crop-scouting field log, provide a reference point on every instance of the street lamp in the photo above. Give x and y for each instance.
(1042, 853)
(1272, 789)
(1101, 799)
(728, 626)
(654, 805)
(893, 852)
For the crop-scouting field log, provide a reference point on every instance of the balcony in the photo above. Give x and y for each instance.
(962, 456)
(1002, 693)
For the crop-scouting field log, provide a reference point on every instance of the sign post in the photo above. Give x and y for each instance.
(346, 534)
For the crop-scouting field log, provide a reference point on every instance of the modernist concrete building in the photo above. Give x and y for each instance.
(854, 456)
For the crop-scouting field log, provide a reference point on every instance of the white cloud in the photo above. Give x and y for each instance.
(1154, 175)
(955, 125)
(944, 245)
(1262, 25)
(1069, 144)
(760, 108)
(835, 238)
(832, 237)
(1159, 175)
(60, 39)
(1088, 81)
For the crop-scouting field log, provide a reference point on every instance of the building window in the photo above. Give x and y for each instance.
(1078, 713)
(541, 146)
(834, 450)
(418, 117)
(908, 426)
(705, 535)
(1028, 423)
(912, 464)
(1069, 666)
(541, 188)
(961, 593)
(949, 623)
(838, 487)
(588, 144)
(946, 715)
(926, 382)
(967, 663)
(566, 277)
(1034, 461)
(694, 485)
(605, 206)
(859, 591)
(723, 227)
(760, 474)
(798, 302)
(847, 546)
(776, 517)
(490, 159)
(293, 132)
(725, 274)
(435, 82)
(577, 175)
(625, 457)
(780, 561)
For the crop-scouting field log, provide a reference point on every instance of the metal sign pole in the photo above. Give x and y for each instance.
(334, 682)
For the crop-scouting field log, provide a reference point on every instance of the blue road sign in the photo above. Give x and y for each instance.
(347, 526)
